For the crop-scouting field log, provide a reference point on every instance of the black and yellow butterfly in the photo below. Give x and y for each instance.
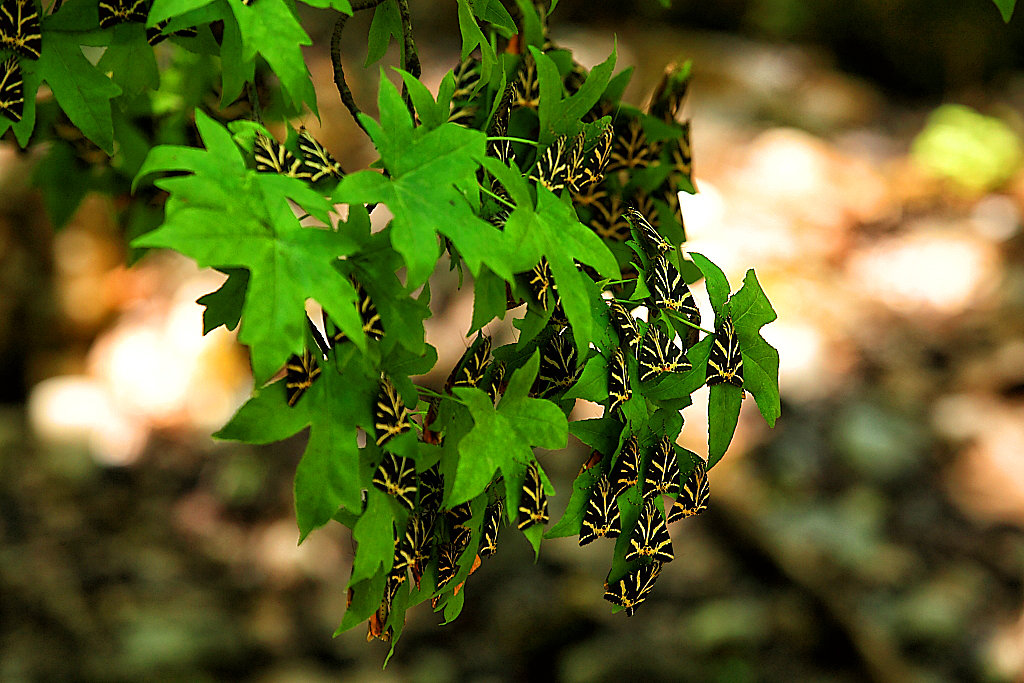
(470, 369)
(368, 314)
(447, 564)
(114, 12)
(415, 546)
(467, 79)
(494, 386)
(650, 536)
(554, 166)
(625, 325)
(576, 176)
(379, 619)
(618, 380)
(626, 471)
(300, 373)
(273, 157)
(527, 84)
(693, 499)
(593, 167)
(458, 517)
(662, 475)
(633, 589)
(20, 28)
(540, 282)
(558, 367)
(502, 149)
(391, 417)
(670, 93)
(533, 504)
(648, 232)
(12, 89)
(669, 290)
(396, 476)
(431, 489)
(630, 150)
(155, 34)
(492, 522)
(606, 213)
(659, 354)
(601, 519)
(316, 163)
(725, 365)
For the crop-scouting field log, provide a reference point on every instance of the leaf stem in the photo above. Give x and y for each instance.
(511, 139)
(675, 316)
(425, 391)
(498, 197)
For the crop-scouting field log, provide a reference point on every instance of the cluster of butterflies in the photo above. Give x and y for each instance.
(21, 34)
(649, 541)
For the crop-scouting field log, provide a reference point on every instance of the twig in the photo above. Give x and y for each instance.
(410, 58)
(339, 71)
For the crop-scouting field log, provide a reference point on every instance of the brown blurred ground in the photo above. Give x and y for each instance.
(875, 534)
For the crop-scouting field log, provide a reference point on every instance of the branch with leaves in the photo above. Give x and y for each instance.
(527, 173)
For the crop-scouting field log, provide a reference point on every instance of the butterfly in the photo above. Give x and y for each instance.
(502, 149)
(273, 157)
(415, 545)
(12, 89)
(20, 29)
(625, 325)
(540, 282)
(558, 367)
(113, 12)
(431, 489)
(633, 588)
(447, 564)
(607, 214)
(379, 619)
(458, 517)
(659, 354)
(650, 536)
(368, 314)
(618, 380)
(630, 149)
(492, 521)
(300, 373)
(497, 380)
(626, 471)
(662, 476)
(670, 93)
(533, 505)
(396, 476)
(647, 231)
(725, 365)
(554, 165)
(693, 499)
(155, 34)
(593, 167)
(470, 369)
(527, 84)
(467, 80)
(595, 457)
(317, 163)
(391, 417)
(669, 290)
(601, 518)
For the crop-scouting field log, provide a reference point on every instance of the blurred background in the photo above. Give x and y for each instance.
(865, 157)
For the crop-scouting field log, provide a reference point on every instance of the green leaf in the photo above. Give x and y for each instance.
(271, 28)
(266, 417)
(489, 300)
(723, 412)
(366, 597)
(432, 113)
(492, 11)
(593, 382)
(425, 168)
(473, 37)
(374, 534)
(1005, 8)
(560, 116)
(340, 5)
(717, 284)
(130, 61)
(504, 434)
(222, 215)
(237, 69)
(83, 91)
(751, 311)
(224, 306)
(165, 9)
(572, 518)
(600, 433)
(386, 24)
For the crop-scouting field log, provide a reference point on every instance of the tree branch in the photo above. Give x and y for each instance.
(410, 58)
(339, 71)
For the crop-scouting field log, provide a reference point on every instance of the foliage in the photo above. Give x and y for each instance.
(525, 172)
(1006, 8)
